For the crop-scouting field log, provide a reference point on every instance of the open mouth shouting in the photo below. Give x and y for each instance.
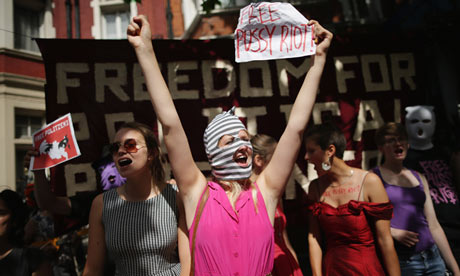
(123, 162)
(399, 152)
(242, 157)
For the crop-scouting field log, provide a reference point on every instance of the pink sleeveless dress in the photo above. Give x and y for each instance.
(233, 243)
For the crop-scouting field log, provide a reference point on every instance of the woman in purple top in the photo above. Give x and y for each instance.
(414, 225)
(235, 230)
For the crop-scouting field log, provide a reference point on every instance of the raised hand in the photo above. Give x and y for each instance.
(30, 153)
(323, 38)
(139, 33)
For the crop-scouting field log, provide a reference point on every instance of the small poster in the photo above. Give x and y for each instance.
(56, 143)
(275, 30)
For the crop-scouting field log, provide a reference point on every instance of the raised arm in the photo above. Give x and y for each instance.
(275, 176)
(375, 192)
(437, 232)
(46, 199)
(191, 180)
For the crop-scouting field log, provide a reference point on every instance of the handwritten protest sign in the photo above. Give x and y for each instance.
(56, 143)
(272, 31)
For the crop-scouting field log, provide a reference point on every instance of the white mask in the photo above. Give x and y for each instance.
(420, 126)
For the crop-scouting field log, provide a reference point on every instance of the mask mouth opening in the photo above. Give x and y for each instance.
(112, 179)
(124, 162)
(241, 156)
(420, 132)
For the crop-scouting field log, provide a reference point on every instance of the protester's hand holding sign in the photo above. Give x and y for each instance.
(322, 38)
(273, 31)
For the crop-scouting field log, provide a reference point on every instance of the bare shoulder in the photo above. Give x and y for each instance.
(371, 180)
(98, 203)
(374, 191)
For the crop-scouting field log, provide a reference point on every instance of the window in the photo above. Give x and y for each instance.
(21, 177)
(26, 26)
(114, 24)
(26, 125)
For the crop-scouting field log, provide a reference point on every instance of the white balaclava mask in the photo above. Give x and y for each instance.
(420, 126)
(223, 159)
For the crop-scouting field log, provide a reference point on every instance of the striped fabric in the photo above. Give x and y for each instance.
(141, 237)
(221, 159)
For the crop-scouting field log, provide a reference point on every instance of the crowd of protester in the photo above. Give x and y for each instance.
(378, 222)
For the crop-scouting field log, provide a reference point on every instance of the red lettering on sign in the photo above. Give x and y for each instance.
(251, 35)
(261, 37)
(270, 11)
(284, 35)
(238, 40)
(297, 29)
(270, 36)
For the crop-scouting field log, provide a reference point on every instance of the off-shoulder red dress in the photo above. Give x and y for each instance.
(350, 248)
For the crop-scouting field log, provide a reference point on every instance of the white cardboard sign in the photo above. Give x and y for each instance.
(272, 30)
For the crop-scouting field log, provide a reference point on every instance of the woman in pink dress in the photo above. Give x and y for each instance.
(230, 218)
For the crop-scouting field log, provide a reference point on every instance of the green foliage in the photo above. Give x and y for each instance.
(208, 5)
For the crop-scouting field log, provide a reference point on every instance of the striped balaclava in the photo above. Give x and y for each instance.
(221, 159)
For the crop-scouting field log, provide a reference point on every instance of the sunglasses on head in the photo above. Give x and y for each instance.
(130, 145)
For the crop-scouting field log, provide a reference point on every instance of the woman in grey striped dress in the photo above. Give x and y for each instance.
(137, 225)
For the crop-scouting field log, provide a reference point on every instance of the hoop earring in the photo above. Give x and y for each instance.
(326, 166)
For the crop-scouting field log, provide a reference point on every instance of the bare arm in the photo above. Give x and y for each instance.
(408, 238)
(96, 244)
(45, 198)
(273, 179)
(183, 241)
(375, 192)
(437, 232)
(189, 178)
(314, 235)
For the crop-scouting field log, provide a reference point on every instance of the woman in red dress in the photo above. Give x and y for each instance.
(286, 262)
(349, 208)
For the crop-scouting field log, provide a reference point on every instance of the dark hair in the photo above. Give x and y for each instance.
(18, 218)
(151, 142)
(325, 135)
(263, 145)
(390, 128)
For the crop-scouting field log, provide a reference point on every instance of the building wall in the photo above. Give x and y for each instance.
(22, 74)
(22, 78)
